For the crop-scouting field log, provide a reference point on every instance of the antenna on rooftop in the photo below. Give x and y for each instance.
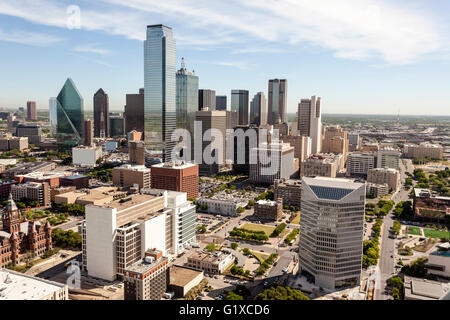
(183, 66)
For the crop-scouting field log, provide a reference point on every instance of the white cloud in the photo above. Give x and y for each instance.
(351, 29)
(91, 48)
(29, 38)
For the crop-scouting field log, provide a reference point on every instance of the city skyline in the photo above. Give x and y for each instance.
(341, 69)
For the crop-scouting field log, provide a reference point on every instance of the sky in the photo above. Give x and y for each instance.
(360, 56)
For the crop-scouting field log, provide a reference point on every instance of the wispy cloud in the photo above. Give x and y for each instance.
(91, 48)
(350, 29)
(29, 38)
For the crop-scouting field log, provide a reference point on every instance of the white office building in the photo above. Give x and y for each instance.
(86, 156)
(331, 232)
(310, 121)
(388, 158)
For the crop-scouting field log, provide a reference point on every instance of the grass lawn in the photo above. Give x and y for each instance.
(414, 231)
(260, 256)
(436, 234)
(258, 227)
(296, 219)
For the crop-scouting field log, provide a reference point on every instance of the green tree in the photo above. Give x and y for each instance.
(211, 247)
(234, 245)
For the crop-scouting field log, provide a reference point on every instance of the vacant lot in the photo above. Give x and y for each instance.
(296, 219)
(436, 234)
(414, 231)
(258, 227)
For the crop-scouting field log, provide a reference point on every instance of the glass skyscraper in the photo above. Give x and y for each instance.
(239, 107)
(160, 91)
(277, 101)
(187, 101)
(53, 116)
(70, 117)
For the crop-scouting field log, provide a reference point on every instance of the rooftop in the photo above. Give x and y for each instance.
(180, 276)
(143, 266)
(175, 165)
(46, 175)
(423, 289)
(133, 167)
(17, 286)
(331, 188)
(129, 201)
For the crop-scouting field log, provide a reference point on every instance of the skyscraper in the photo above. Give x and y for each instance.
(160, 91)
(310, 121)
(206, 99)
(221, 103)
(70, 116)
(331, 232)
(88, 133)
(187, 100)
(101, 114)
(277, 101)
(258, 110)
(134, 112)
(53, 114)
(239, 107)
(31, 110)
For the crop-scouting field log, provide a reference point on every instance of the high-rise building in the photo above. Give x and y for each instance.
(53, 115)
(32, 131)
(137, 152)
(277, 101)
(258, 110)
(88, 133)
(388, 158)
(239, 107)
(101, 114)
(187, 101)
(310, 121)
(36, 191)
(216, 120)
(70, 116)
(117, 126)
(129, 175)
(221, 103)
(335, 140)
(181, 177)
(134, 112)
(381, 176)
(160, 91)
(331, 232)
(31, 110)
(301, 144)
(206, 99)
(358, 164)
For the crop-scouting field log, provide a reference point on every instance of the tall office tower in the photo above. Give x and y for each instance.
(160, 111)
(212, 120)
(354, 142)
(258, 110)
(239, 107)
(101, 114)
(277, 101)
(53, 115)
(335, 140)
(294, 126)
(206, 99)
(221, 103)
(31, 110)
(310, 121)
(187, 101)
(88, 133)
(117, 126)
(70, 114)
(134, 112)
(331, 232)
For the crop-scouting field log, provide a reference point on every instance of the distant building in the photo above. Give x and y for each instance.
(136, 152)
(19, 286)
(335, 140)
(39, 192)
(134, 112)
(432, 151)
(134, 135)
(221, 103)
(78, 181)
(129, 175)
(301, 144)
(31, 110)
(32, 132)
(388, 158)
(88, 133)
(146, 279)
(323, 165)
(52, 178)
(310, 121)
(86, 156)
(332, 257)
(358, 164)
(354, 142)
(269, 210)
(24, 168)
(210, 263)
(289, 190)
(377, 190)
(258, 110)
(181, 177)
(101, 114)
(224, 207)
(269, 162)
(380, 176)
(277, 101)
(206, 99)
(239, 107)
(117, 124)
(431, 208)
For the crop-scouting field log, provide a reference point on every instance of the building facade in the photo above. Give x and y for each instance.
(310, 121)
(239, 107)
(206, 99)
(289, 190)
(130, 175)
(180, 177)
(358, 164)
(134, 112)
(277, 101)
(221, 103)
(258, 110)
(32, 131)
(381, 176)
(331, 231)
(101, 114)
(31, 110)
(39, 192)
(269, 210)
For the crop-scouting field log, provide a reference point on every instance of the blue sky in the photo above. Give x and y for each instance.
(360, 56)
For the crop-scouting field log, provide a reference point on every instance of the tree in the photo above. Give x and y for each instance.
(211, 247)
(396, 294)
(234, 245)
(233, 296)
(240, 210)
(276, 292)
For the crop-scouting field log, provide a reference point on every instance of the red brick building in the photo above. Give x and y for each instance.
(181, 177)
(18, 238)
